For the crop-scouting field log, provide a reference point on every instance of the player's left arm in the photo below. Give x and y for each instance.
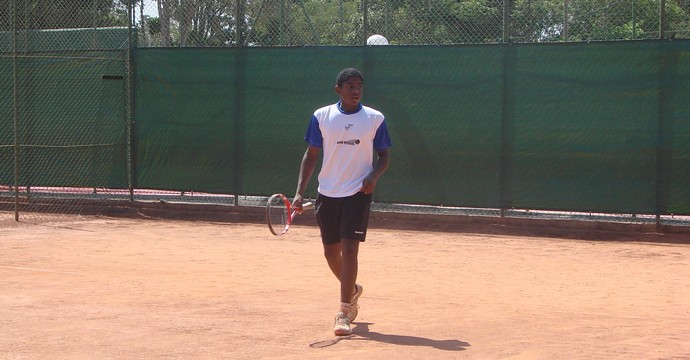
(381, 165)
(382, 142)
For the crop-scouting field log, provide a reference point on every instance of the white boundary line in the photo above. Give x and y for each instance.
(39, 270)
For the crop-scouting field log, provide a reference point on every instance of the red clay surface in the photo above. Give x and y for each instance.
(133, 288)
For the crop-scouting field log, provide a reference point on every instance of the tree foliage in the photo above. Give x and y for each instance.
(342, 22)
(62, 14)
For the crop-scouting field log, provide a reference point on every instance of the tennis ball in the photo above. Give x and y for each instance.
(377, 40)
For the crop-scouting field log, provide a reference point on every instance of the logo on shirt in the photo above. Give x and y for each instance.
(348, 126)
(348, 142)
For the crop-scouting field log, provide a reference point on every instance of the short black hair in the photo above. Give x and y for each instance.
(346, 74)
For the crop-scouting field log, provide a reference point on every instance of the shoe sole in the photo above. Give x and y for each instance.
(340, 332)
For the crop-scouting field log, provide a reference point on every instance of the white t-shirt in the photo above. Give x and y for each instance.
(348, 141)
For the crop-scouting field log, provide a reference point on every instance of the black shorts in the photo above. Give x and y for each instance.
(343, 218)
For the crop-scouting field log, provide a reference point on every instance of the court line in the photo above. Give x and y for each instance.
(39, 270)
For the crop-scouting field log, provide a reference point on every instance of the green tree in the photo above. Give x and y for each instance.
(198, 22)
(206, 23)
(536, 20)
(291, 22)
(437, 21)
(342, 22)
(63, 14)
(589, 20)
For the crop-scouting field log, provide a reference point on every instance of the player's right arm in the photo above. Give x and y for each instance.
(309, 160)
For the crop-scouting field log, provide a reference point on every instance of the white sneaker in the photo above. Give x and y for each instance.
(354, 308)
(342, 325)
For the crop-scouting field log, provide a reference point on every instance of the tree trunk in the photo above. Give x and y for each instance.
(144, 29)
(186, 13)
(164, 15)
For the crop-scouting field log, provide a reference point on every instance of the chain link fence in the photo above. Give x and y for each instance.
(64, 104)
(66, 100)
(212, 23)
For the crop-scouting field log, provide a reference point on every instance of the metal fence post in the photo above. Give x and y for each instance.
(15, 109)
(670, 60)
(239, 22)
(565, 20)
(507, 129)
(634, 24)
(130, 97)
(506, 20)
(365, 22)
(662, 19)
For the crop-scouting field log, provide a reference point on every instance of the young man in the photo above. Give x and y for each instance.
(349, 134)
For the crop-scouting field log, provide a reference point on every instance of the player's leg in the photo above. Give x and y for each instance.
(334, 254)
(348, 269)
(353, 230)
(340, 265)
(343, 224)
(328, 211)
(334, 258)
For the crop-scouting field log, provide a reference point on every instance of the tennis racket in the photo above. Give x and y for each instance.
(280, 214)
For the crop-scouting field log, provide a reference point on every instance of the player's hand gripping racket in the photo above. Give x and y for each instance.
(279, 213)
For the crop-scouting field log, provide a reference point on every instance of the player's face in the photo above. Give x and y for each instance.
(350, 93)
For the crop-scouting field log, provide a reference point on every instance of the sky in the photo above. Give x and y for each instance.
(150, 9)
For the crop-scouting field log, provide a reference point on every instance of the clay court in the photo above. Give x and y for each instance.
(106, 287)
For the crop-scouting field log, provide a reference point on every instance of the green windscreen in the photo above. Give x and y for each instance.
(579, 127)
(583, 136)
(72, 128)
(63, 108)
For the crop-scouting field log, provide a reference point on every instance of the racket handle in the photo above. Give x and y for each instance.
(308, 205)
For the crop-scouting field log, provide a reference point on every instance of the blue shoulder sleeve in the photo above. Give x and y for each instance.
(382, 140)
(313, 135)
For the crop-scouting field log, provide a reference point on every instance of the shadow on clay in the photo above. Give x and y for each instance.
(361, 332)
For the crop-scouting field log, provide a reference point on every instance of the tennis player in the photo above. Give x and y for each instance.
(349, 134)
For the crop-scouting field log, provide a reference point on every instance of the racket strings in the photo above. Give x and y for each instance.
(278, 214)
